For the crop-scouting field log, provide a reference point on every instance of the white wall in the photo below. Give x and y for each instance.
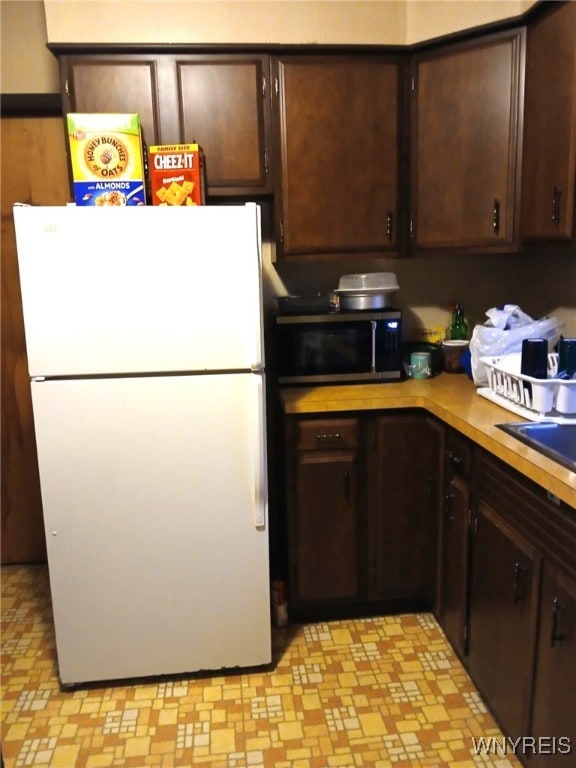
(427, 19)
(27, 66)
(270, 21)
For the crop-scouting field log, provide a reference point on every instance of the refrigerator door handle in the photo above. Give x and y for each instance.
(259, 456)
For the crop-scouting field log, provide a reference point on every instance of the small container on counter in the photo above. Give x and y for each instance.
(452, 352)
(420, 365)
(433, 350)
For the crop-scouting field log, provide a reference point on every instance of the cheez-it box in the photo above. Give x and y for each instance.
(176, 174)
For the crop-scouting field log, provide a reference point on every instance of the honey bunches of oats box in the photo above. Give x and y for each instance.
(106, 158)
(176, 174)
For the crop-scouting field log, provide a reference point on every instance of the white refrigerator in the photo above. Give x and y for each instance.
(144, 334)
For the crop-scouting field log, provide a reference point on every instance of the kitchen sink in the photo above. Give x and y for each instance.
(556, 441)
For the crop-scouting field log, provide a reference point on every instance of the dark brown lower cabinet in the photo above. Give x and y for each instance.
(454, 571)
(453, 576)
(554, 710)
(503, 615)
(523, 613)
(367, 515)
(403, 483)
(362, 495)
(325, 523)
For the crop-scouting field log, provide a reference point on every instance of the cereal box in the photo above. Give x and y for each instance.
(176, 174)
(107, 160)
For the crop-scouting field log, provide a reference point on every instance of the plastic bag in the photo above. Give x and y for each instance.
(507, 327)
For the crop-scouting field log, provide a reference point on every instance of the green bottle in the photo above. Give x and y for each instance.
(458, 328)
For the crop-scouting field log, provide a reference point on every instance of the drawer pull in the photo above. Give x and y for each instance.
(328, 436)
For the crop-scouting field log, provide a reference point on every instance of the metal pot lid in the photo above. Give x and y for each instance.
(382, 281)
(363, 291)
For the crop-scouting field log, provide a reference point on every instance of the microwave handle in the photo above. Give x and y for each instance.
(374, 324)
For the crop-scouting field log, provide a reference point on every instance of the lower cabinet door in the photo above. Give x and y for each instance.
(325, 528)
(503, 615)
(403, 502)
(554, 708)
(454, 586)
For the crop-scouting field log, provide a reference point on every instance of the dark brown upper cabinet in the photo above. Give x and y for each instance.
(114, 83)
(220, 101)
(224, 104)
(466, 141)
(549, 166)
(337, 133)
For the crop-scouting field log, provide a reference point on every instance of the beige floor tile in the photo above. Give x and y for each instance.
(383, 692)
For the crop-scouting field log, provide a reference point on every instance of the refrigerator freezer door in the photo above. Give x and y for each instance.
(140, 289)
(154, 498)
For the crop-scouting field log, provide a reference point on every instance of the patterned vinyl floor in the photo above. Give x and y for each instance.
(380, 692)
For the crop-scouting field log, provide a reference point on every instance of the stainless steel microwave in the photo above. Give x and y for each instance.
(338, 347)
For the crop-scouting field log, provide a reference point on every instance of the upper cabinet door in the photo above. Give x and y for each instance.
(220, 101)
(550, 127)
(224, 105)
(337, 135)
(466, 142)
(107, 83)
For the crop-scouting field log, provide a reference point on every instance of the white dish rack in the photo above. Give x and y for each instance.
(550, 399)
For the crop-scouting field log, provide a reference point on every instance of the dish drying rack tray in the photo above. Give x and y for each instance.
(550, 399)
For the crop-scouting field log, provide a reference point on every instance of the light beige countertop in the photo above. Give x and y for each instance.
(453, 399)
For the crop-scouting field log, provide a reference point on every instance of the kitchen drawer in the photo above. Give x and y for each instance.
(327, 434)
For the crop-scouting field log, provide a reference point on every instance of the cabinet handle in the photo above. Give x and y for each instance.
(455, 461)
(432, 491)
(328, 436)
(557, 608)
(448, 506)
(389, 226)
(518, 570)
(496, 216)
(347, 484)
(556, 195)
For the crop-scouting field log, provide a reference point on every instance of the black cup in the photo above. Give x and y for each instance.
(535, 358)
(567, 358)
